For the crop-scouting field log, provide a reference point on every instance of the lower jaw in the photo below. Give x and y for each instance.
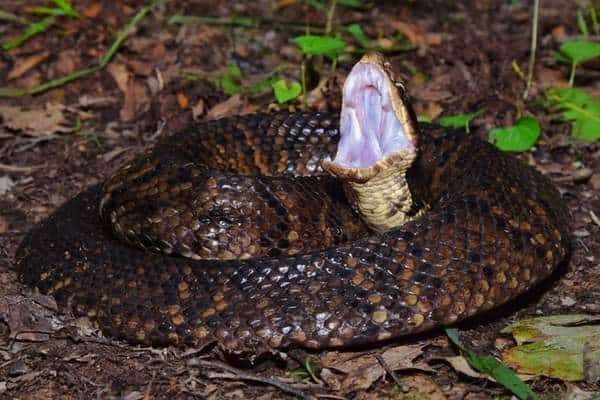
(380, 194)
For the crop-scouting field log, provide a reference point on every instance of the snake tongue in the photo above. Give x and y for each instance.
(376, 122)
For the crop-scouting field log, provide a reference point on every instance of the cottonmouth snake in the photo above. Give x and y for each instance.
(480, 228)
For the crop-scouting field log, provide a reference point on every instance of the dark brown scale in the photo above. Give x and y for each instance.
(496, 227)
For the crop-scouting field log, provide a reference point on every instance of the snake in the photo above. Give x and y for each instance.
(304, 229)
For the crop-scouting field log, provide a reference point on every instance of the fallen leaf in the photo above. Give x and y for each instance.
(566, 347)
(67, 62)
(29, 319)
(362, 370)
(37, 122)
(93, 10)
(422, 387)
(233, 105)
(5, 184)
(22, 66)
(136, 99)
(411, 31)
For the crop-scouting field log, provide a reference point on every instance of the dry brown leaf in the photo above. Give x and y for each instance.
(423, 387)
(362, 370)
(22, 66)
(93, 10)
(38, 122)
(136, 99)
(67, 62)
(233, 105)
(28, 318)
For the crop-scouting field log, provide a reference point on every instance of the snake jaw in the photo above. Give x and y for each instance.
(378, 144)
(377, 126)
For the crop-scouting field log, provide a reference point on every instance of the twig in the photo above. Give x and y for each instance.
(595, 218)
(121, 36)
(241, 22)
(10, 17)
(18, 169)
(534, 33)
(390, 372)
(234, 373)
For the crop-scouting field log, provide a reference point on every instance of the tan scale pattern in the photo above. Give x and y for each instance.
(495, 228)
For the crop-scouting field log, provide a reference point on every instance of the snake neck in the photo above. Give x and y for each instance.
(384, 201)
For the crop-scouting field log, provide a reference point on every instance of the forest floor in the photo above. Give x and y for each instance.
(456, 57)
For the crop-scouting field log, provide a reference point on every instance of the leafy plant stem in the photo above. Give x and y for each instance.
(572, 75)
(330, 14)
(534, 30)
(121, 36)
(303, 82)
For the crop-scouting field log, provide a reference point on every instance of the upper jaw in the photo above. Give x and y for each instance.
(376, 122)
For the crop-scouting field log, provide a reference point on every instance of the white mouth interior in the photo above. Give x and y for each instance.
(370, 129)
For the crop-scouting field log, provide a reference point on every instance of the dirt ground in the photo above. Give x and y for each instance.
(457, 57)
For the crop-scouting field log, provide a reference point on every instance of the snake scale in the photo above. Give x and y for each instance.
(274, 252)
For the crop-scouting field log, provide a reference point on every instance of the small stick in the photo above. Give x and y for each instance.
(234, 373)
(534, 33)
(390, 372)
(20, 169)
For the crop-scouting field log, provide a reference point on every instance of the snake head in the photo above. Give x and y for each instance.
(378, 144)
(377, 128)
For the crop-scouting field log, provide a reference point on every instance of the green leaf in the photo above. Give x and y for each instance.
(319, 5)
(285, 93)
(580, 50)
(356, 31)
(519, 137)
(230, 80)
(354, 4)
(559, 346)
(320, 45)
(578, 107)
(582, 24)
(31, 31)
(491, 366)
(424, 118)
(66, 8)
(458, 120)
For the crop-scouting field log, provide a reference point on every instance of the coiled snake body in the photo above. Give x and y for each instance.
(481, 228)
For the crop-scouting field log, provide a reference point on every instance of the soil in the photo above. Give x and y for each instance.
(456, 57)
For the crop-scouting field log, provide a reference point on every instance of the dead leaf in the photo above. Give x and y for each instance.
(136, 99)
(93, 10)
(22, 66)
(29, 319)
(6, 184)
(233, 105)
(38, 122)
(423, 387)
(362, 370)
(67, 62)
(460, 364)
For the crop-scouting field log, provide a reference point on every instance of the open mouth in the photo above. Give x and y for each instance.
(374, 119)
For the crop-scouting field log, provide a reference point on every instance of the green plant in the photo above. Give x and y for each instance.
(230, 80)
(459, 120)
(491, 366)
(62, 9)
(320, 4)
(582, 24)
(577, 51)
(306, 374)
(285, 93)
(578, 107)
(519, 137)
